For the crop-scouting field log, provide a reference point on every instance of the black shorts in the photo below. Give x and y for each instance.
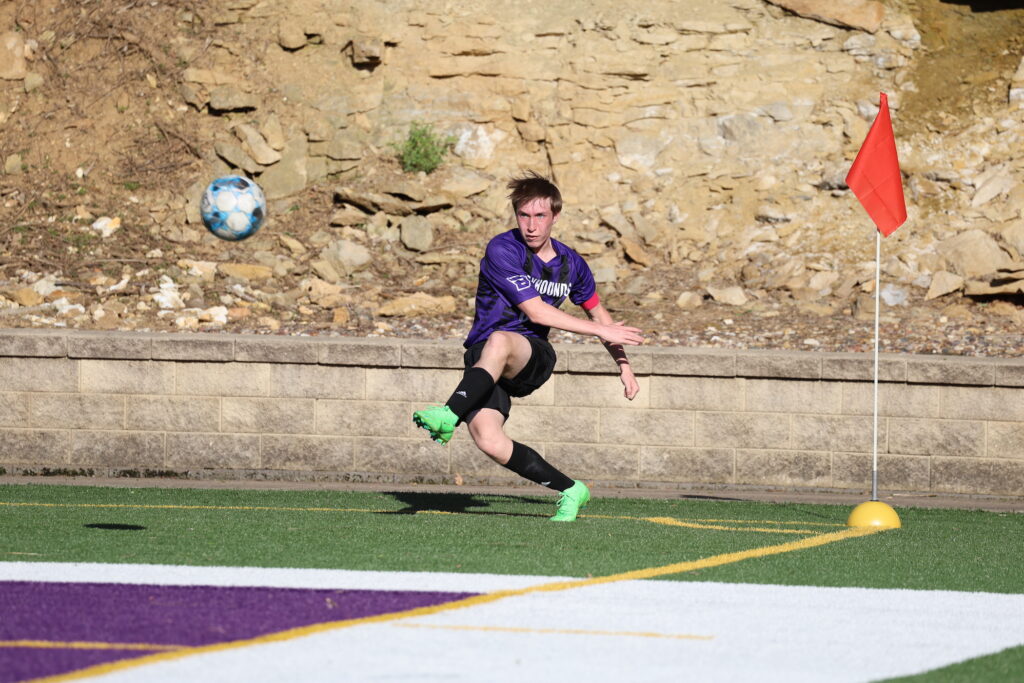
(537, 371)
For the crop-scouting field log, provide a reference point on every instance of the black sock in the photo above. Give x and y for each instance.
(476, 384)
(527, 463)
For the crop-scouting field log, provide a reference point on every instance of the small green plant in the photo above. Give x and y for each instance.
(79, 240)
(132, 185)
(423, 150)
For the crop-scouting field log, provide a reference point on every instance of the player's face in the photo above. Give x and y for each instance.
(535, 220)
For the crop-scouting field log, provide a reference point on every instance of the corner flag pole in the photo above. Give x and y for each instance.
(875, 179)
(874, 409)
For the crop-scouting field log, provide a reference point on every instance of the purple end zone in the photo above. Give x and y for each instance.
(166, 615)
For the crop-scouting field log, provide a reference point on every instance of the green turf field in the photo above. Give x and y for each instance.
(1007, 665)
(935, 549)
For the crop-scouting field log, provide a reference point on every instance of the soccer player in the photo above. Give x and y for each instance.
(525, 275)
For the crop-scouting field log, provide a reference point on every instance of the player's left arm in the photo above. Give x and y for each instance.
(600, 314)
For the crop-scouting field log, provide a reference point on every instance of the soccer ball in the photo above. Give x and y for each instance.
(233, 207)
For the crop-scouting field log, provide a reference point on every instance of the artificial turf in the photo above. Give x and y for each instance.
(1006, 665)
(935, 549)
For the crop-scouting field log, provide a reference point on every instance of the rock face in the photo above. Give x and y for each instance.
(701, 153)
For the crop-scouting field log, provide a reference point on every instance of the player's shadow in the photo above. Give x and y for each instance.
(114, 527)
(801, 510)
(453, 503)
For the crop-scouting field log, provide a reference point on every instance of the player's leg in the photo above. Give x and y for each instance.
(486, 426)
(504, 354)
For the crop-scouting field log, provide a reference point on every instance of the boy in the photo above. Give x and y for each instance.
(524, 276)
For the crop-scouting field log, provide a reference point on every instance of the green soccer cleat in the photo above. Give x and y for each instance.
(571, 501)
(440, 421)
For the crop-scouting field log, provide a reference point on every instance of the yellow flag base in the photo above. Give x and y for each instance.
(874, 513)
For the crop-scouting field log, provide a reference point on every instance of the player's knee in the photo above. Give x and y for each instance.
(490, 443)
(501, 342)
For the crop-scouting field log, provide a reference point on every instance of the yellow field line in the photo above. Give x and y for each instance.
(766, 521)
(559, 631)
(651, 572)
(724, 521)
(671, 521)
(86, 645)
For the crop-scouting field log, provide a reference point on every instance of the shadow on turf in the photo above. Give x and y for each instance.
(114, 527)
(455, 503)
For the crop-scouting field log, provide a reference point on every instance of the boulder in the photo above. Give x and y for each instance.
(371, 201)
(612, 217)
(349, 215)
(689, 300)
(864, 15)
(367, 52)
(973, 252)
(345, 256)
(417, 233)
(227, 98)
(256, 146)
(207, 77)
(406, 190)
(273, 132)
(26, 296)
(418, 304)
(33, 81)
(992, 184)
(289, 175)
(323, 293)
(13, 165)
(1013, 234)
(291, 35)
(12, 56)
(317, 126)
(943, 283)
(1005, 281)
(341, 147)
(461, 182)
(245, 271)
(1016, 95)
(236, 156)
(204, 271)
(731, 296)
(635, 253)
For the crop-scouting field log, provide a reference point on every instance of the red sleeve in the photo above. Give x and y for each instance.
(591, 303)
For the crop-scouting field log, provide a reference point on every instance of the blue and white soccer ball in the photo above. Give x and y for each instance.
(233, 207)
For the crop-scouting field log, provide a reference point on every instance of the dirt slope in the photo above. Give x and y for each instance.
(107, 133)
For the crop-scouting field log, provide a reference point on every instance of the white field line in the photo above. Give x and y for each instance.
(639, 630)
(627, 630)
(182, 575)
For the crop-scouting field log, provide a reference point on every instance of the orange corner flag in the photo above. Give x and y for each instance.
(875, 175)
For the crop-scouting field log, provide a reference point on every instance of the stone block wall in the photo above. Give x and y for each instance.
(338, 409)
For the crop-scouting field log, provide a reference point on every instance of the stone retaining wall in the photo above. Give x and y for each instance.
(338, 409)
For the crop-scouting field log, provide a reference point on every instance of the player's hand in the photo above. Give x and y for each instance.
(632, 388)
(619, 333)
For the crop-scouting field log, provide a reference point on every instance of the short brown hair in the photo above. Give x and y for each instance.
(534, 186)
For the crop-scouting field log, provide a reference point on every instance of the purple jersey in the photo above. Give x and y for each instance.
(510, 273)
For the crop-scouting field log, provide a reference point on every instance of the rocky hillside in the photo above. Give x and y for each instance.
(701, 155)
